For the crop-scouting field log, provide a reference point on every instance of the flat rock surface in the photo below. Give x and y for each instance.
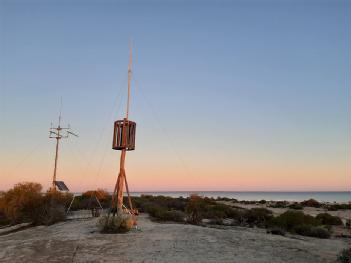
(79, 241)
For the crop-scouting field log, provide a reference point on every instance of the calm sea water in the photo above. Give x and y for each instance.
(340, 197)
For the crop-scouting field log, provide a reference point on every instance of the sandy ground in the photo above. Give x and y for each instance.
(79, 241)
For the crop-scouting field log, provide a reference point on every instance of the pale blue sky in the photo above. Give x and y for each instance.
(232, 83)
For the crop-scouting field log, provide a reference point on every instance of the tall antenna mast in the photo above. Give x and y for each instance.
(129, 77)
(123, 140)
(59, 133)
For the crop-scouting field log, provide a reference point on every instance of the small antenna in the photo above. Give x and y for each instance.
(60, 111)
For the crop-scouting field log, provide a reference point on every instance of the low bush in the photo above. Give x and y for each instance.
(256, 216)
(18, 203)
(4, 221)
(296, 206)
(175, 215)
(327, 219)
(345, 256)
(120, 223)
(335, 207)
(51, 208)
(278, 204)
(25, 203)
(100, 194)
(299, 223)
(311, 203)
(223, 199)
(312, 231)
(291, 219)
(215, 210)
(168, 203)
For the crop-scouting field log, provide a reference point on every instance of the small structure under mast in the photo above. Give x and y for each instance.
(59, 133)
(123, 140)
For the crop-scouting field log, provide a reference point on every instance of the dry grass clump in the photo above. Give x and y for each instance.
(120, 223)
(19, 202)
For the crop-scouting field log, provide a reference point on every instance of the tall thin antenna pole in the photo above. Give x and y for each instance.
(58, 133)
(56, 157)
(60, 112)
(129, 76)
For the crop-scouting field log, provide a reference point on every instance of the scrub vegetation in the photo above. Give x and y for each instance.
(26, 203)
(202, 210)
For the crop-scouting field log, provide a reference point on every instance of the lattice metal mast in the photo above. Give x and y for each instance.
(59, 133)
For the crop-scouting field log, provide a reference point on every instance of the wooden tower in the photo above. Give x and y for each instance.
(123, 140)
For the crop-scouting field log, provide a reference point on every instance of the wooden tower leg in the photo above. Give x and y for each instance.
(120, 182)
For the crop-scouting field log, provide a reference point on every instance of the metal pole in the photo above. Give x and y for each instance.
(56, 158)
(129, 77)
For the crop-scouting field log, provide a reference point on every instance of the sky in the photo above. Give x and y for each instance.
(227, 95)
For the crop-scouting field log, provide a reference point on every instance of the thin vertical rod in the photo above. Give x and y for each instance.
(56, 158)
(129, 77)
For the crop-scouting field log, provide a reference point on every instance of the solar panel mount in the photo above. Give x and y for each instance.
(61, 186)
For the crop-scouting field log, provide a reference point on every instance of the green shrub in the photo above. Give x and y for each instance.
(311, 203)
(223, 199)
(345, 256)
(312, 231)
(215, 210)
(279, 204)
(175, 215)
(327, 219)
(257, 216)
(291, 219)
(168, 203)
(51, 208)
(4, 221)
(335, 207)
(296, 206)
(161, 213)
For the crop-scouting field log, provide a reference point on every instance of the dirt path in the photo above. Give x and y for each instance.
(79, 241)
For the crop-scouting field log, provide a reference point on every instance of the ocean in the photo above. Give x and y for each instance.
(339, 197)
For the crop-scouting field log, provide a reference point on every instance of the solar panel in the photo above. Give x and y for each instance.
(61, 186)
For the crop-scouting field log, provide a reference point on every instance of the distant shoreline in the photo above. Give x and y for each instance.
(291, 196)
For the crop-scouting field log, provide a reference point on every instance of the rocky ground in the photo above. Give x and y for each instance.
(80, 241)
